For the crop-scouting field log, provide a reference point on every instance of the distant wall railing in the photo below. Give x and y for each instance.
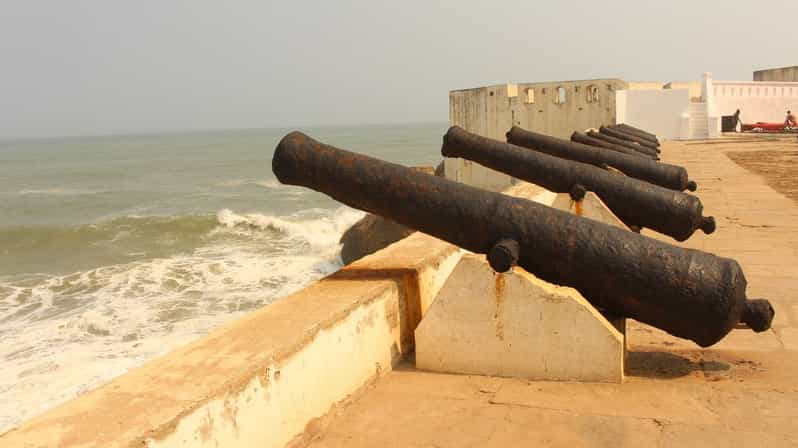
(755, 89)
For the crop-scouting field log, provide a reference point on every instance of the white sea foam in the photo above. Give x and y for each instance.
(271, 183)
(63, 335)
(57, 191)
(324, 231)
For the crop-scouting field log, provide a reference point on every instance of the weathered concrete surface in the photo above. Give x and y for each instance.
(741, 392)
(516, 325)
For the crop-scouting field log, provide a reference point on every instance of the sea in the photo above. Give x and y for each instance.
(117, 249)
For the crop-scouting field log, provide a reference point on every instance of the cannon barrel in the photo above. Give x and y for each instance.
(617, 133)
(635, 202)
(625, 143)
(638, 132)
(650, 135)
(662, 174)
(585, 139)
(688, 293)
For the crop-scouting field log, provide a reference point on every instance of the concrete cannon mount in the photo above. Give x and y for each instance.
(332, 365)
(516, 325)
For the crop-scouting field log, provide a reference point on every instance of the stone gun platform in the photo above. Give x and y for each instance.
(740, 392)
(331, 365)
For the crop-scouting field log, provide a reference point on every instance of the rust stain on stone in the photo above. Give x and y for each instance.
(499, 295)
(578, 208)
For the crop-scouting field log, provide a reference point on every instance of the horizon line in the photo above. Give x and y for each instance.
(208, 130)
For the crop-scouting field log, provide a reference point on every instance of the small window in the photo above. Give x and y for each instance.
(561, 96)
(592, 94)
(530, 96)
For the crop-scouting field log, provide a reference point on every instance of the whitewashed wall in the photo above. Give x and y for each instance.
(757, 101)
(657, 111)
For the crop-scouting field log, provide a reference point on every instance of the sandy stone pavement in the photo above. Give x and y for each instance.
(741, 392)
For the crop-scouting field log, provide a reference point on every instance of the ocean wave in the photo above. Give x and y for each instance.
(322, 231)
(56, 249)
(66, 333)
(53, 249)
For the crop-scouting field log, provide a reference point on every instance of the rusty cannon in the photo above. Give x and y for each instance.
(635, 202)
(669, 176)
(638, 132)
(579, 137)
(622, 135)
(688, 293)
(625, 143)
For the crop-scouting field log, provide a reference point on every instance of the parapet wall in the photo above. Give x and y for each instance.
(265, 378)
(271, 377)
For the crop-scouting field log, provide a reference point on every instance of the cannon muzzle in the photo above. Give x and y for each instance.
(638, 132)
(635, 202)
(623, 135)
(625, 143)
(578, 137)
(688, 293)
(669, 176)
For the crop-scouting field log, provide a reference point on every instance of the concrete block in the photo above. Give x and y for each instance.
(516, 325)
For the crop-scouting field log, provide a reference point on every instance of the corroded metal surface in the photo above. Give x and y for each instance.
(688, 293)
(635, 202)
(625, 143)
(585, 139)
(662, 174)
(638, 132)
(618, 133)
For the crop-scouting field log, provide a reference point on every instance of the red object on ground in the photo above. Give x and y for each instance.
(760, 125)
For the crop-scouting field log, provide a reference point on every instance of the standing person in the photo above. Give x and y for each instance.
(738, 123)
(790, 120)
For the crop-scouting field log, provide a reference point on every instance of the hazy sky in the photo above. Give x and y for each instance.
(99, 67)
